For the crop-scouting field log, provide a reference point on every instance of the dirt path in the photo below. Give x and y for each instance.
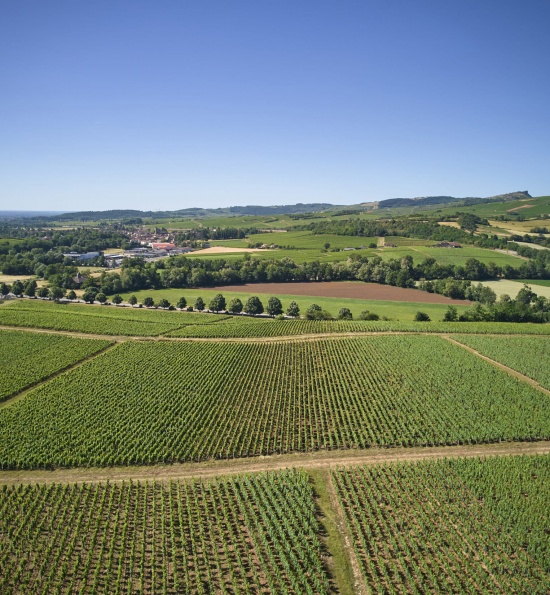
(21, 395)
(29, 329)
(359, 586)
(315, 460)
(279, 338)
(510, 371)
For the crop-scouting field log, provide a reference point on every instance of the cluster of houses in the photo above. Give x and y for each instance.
(149, 253)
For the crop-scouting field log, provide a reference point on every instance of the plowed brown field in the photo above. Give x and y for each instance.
(345, 289)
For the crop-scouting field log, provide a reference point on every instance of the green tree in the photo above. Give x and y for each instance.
(4, 289)
(327, 245)
(293, 310)
(164, 303)
(366, 315)
(117, 299)
(101, 298)
(345, 314)
(30, 288)
(199, 304)
(217, 303)
(132, 300)
(43, 292)
(315, 312)
(72, 295)
(525, 295)
(148, 302)
(274, 306)
(421, 317)
(182, 303)
(235, 306)
(17, 288)
(451, 315)
(254, 305)
(89, 295)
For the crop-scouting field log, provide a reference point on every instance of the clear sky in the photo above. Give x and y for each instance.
(173, 103)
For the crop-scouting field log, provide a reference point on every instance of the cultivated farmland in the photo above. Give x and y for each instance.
(528, 355)
(247, 534)
(28, 358)
(101, 320)
(142, 403)
(461, 526)
(247, 327)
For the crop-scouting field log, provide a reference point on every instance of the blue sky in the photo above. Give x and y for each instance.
(173, 104)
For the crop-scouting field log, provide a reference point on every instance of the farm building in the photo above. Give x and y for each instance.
(162, 246)
(448, 245)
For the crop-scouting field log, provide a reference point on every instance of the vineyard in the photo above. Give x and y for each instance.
(247, 534)
(528, 355)
(148, 402)
(113, 321)
(245, 327)
(28, 358)
(457, 526)
(102, 320)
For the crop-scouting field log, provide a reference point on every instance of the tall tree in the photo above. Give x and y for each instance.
(293, 310)
(254, 306)
(235, 306)
(199, 304)
(274, 306)
(217, 303)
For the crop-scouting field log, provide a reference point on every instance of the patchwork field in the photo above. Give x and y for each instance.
(185, 448)
(28, 358)
(248, 534)
(456, 526)
(142, 403)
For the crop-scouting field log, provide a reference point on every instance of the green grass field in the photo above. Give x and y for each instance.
(390, 309)
(149, 402)
(541, 282)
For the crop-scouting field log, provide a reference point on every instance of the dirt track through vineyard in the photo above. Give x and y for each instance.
(315, 460)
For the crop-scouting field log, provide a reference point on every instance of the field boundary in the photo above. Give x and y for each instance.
(507, 369)
(23, 393)
(280, 338)
(315, 460)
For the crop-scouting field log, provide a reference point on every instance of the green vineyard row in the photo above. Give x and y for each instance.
(457, 526)
(27, 358)
(143, 403)
(111, 320)
(101, 320)
(247, 534)
(528, 355)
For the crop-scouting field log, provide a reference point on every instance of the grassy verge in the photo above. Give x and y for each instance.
(339, 563)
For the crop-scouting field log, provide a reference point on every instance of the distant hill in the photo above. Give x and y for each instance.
(28, 214)
(437, 200)
(193, 212)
